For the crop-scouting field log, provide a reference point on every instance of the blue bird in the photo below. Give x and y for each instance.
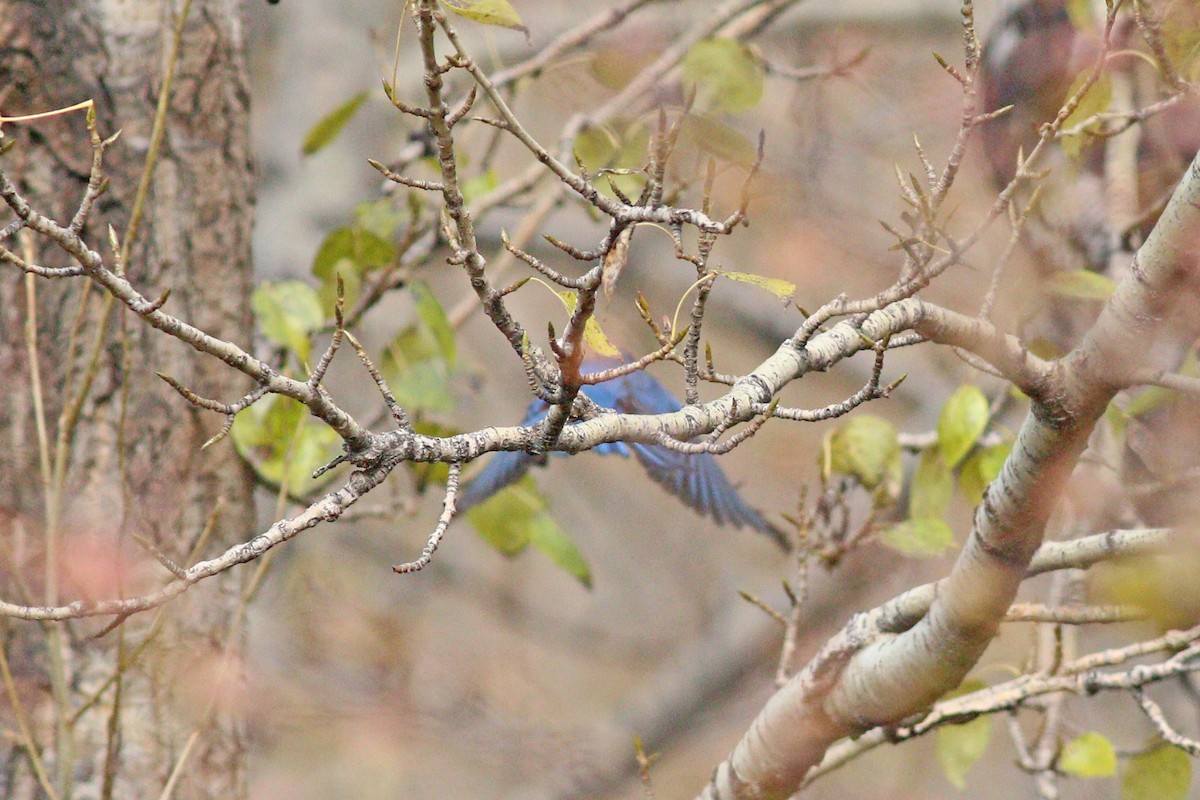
(697, 480)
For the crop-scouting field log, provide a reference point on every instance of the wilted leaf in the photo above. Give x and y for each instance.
(963, 419)
(489, 12)
(329, 126)
(614, 261)
(288, 312)
(960, 746)
(1088, 755)
(725, 73)
(921, 538)
(1164, 773)
(932, 486)
(1082, 284)
(782, 289)
(864, 447)
(981, 468)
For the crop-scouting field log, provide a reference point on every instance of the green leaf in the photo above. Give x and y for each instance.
(776, 286)
(330, 125)
(964, 418)
(920, 538)
(1080, 14)
(479, 185)
(380, 217)
(431, 472)
(1082, 284)
(417, 364)
(1148, 400)
(280, 441)
(725, 73)
(865, 447)
(551, 539)
(960, 746)
(1096, 101)
(981, 468)
(489, 12)
(932, 487)
(620, 147)
(1164, 773)
(614, 67)
(288, 312)
(1088, 755)
(435, 321)
(351, 252)
(508, 519)
(718, 139)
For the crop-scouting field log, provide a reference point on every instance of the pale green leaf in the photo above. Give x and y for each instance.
(480, 185)
(960, 746)
(865, 447)
(549, 537)
(1164, 773)
(1088, 755)
(718, 139)
(1148, 400)
(489, 12)
(920, 538)
(1082, 284)
(725, 73)
(1081, 15)
(618, 152)
(776, 286)
(963, 419)
(434, 320)
(279, 440)
(1096, 101)
(981, 468)
(329, 126)
(508, 519)
(288, 312)
(932, 486)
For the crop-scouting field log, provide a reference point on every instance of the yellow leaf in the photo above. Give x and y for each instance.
(776, 286)
(592, 333)
(489, 12)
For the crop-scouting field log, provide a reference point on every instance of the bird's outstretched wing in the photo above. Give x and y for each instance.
(697, 480)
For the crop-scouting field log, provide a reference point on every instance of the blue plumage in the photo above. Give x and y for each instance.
(697, 480)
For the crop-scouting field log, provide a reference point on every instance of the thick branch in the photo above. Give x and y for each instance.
(859, 681)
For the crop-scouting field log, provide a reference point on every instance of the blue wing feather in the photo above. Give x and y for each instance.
(697, 480)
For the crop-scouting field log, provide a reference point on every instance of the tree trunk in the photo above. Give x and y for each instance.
(117, 715)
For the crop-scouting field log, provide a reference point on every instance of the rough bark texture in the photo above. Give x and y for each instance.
(134, 462)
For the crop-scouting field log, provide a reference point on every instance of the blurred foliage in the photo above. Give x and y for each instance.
(960, 746)
(1162, 773)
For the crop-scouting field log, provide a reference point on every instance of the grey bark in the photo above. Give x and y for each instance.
(134, 462)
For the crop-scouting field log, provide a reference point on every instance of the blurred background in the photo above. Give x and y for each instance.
(494, 677)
